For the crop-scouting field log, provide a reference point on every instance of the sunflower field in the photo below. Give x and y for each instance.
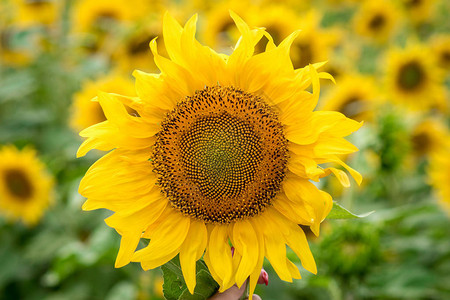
(238, 148)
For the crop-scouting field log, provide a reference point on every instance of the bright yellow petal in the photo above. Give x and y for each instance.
(166, 237)
(220, 252)
(192, 250)
(246, 243)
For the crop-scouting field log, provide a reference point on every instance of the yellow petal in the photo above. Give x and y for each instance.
(275, 247)
(166, 237)
(219, 252)
(128, 245)
(153, 91)
(246, 243)
(116, 112)
(296, 240)
(192, 250)
(295, 273)
(340, 175)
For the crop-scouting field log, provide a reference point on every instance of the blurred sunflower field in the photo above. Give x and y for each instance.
(391, 64)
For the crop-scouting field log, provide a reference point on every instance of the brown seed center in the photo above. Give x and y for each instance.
(18, 184)
(220, 155)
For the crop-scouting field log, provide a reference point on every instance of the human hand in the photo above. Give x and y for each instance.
(235, 293)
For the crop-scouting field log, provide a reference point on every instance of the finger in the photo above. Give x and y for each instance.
(255, 297)
(232, 293)
(263, 277)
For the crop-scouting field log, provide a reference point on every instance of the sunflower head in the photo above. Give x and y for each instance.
(376, 20)
(414, 80)
(418, 11)
(25, 187)
(441, 49)
(221, 152)
(35, 12)
(355, 96)
(428, 137)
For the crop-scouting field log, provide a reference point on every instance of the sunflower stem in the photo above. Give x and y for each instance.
(246, 293)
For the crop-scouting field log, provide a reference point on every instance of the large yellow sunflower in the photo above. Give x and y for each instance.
(222, 154)
(25, 187)
(414, 79)
(86, 111)
(376, 20)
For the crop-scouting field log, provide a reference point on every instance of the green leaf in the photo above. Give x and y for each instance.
(175, 288)
(339, 212)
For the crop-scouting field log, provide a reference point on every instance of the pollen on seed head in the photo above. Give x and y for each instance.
(220, 155)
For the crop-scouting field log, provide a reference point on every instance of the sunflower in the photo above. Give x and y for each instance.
(376, 20)
(418, 11)
(35, 12)
(95, 15)
(428, 136)
(134, 51)
(220, 31)
(439, 173)
(222, 154)
(25, 187)
(414, 80)
(314, 44)
(440, 45)
(86, 111)
(355, 96)
(278, 20)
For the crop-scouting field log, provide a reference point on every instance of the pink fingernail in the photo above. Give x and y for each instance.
(263, 277)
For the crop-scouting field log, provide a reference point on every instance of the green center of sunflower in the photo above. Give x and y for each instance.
(18, 184)
(220, 155)
(410, 76)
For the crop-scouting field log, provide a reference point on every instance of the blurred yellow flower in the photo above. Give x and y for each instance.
(440, 44)
(418, 11)
(222, 152)
(134, 52)
(35, 12)
(86, 110)
(439, 174)
(428, 137)
(314, 43)
(376, 19)
(25, 186)
(219, 31)
(414, 80)
(355, 96)
(97, 15)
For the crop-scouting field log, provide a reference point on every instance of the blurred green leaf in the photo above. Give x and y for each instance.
(339, 212)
